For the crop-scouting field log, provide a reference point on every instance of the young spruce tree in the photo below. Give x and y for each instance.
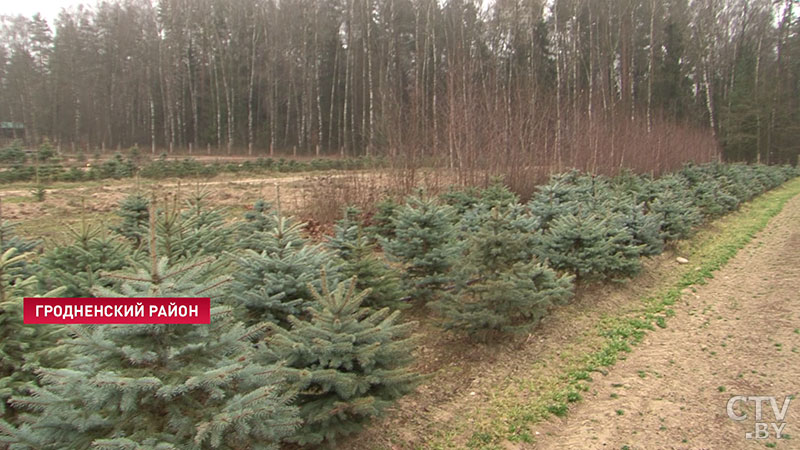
(347, 362)
(259, 223)
(359, 259)
(77, 265)
(671, 201)
(592, 244)
(501, 288)
(134, 212)
(425, 242)
(19, 344)
(191, 228)
(159, 386)
(272, 284)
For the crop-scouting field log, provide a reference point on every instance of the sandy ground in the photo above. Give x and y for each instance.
(736, 335)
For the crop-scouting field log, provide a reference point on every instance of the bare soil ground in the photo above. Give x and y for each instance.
(68, 202)
(106, 196)
(317, 196)
(737, 335)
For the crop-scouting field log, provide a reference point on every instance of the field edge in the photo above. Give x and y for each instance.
(504, 421)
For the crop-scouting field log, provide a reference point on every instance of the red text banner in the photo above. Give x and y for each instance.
(171, 310)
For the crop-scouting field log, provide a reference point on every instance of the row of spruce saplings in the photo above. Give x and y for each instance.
(44, 166)
(304, 346)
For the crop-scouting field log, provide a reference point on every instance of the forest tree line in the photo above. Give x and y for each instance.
(455, 80)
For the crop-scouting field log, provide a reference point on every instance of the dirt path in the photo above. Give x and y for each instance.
(737, 335)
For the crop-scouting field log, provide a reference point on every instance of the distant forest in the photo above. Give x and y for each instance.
(454, 80)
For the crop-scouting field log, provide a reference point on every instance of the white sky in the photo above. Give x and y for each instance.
(48, 8)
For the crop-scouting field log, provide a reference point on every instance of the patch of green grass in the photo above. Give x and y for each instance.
(574, 396)
(558, 409)
(579, 375)
(479, 439)
(16, 199)
(721, 388)
(52, 228)
(620, 412)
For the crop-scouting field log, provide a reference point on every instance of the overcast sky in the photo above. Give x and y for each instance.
(48, 8)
